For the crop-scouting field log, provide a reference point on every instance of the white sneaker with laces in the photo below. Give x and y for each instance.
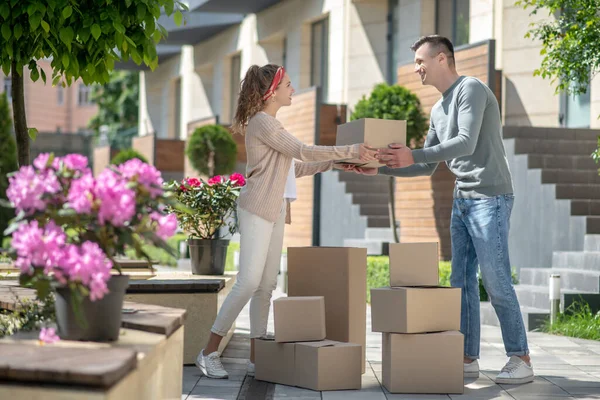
(251, 369)
(211, 365)
(471, 370)
(515, 372)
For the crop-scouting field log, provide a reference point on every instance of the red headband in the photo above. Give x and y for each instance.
(276, 80)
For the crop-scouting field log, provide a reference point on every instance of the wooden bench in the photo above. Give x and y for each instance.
(201, 296)
(145, 363)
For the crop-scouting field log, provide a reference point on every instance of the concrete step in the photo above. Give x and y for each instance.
(592, 224)
(552, 175)
(591, 243)
(374, 209)
(384, 234)
(367, 187)
(375, 247)
(377, 221)
(585, 207)
(577, 191)
(578, 260)
(549, 133)
(538, 297)
(352, 177)
(370, 198)
(555, 161)
(549, 146)
(570, 279)
(532, 317)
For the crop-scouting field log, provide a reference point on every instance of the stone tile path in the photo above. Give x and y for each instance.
(566, 369)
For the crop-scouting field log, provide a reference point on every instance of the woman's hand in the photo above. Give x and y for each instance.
(367, 153)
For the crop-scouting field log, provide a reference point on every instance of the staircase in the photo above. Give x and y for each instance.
(562, 157)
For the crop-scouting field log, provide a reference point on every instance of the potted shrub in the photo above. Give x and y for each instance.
(212, 150)
(126, 155)
(69, 228)
(210, 204)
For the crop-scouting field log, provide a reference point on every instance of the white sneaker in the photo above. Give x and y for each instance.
(251, 369)
(211, 366)
(471, 370)
(515, 372)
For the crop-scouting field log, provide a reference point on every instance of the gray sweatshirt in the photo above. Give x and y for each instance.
(466, 132)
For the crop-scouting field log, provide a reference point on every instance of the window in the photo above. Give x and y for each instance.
(452, 20)
(575, 110)
(234, 83)
(319, 51)
(84, 95)
(60, 95)
(392, 38)
(8, 87)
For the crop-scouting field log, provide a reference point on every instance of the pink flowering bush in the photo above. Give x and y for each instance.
(211, 203)
(70, 225)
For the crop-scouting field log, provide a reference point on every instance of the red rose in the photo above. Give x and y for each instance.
(237, 179)
(194, 182)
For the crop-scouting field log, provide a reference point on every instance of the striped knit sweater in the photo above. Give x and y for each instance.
(270, 150)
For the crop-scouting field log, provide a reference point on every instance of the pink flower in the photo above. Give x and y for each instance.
(143, 173)
(166, 224)
(81, 194)
(194, 182)
(48, 335)
(38, 246)
(86, 264)
(237, 179)
(41, 162)
(75, 162)
(117, 201)
(27, 187)
(215, 179)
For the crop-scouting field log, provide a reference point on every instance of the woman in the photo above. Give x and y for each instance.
(264, 202)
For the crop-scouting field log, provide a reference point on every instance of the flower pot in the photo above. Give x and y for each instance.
(103, 317)
(208, 256)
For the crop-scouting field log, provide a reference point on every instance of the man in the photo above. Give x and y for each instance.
(465, 132)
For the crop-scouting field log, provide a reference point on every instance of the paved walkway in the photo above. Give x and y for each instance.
(566, 369)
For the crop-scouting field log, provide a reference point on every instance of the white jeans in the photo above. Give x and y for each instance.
(261, 242)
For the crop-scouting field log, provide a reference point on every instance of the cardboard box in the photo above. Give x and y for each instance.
(414, 264)
(323, 365)
(299, 319)
(274, 362)
(423, 363)
(415, 309)
(377, 133)
(339, 274)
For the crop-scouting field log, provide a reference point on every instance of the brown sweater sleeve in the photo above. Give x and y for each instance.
(311, 168)
(271, 132)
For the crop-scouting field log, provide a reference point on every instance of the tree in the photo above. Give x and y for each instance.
(394, 102)
(8, 161)
(83, 39)
(212, 150)
(126, 155)
(117, 103)
(570, 44)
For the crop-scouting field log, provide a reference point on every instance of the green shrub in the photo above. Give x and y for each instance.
(8, 160)
(212, 142)
(31, 315)
(398, 103)
(126, 155)
(577, 321)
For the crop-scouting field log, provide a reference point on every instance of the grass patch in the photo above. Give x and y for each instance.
(577, 321)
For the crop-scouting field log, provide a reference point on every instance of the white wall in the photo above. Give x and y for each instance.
(481, 20)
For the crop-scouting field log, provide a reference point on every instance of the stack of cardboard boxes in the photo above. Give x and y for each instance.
(422, 349)
(299, 355)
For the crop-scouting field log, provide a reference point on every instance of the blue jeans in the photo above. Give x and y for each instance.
(479, 232)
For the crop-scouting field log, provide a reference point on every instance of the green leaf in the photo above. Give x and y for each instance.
(141, 11)
(66, 60)
(55, 80)
(67, 11)
(43, 75)
(178, 18)
(32, 132)
(66, 36)
(119, 27)
(45, 26)
(43, 288)
(96, 31)
(35, 75)
(157, 36)
(6, 31)
(34, 21)
(169, 7)
(6, 67)
(4, 10)
(9, 50)
(31, 9)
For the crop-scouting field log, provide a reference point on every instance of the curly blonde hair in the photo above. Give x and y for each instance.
(252, 89)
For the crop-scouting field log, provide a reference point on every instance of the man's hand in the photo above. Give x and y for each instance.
(359, 170)
(396, 156)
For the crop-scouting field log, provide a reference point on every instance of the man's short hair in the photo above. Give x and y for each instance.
(439, 44)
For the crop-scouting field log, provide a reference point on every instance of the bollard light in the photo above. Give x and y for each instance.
(554, 294)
